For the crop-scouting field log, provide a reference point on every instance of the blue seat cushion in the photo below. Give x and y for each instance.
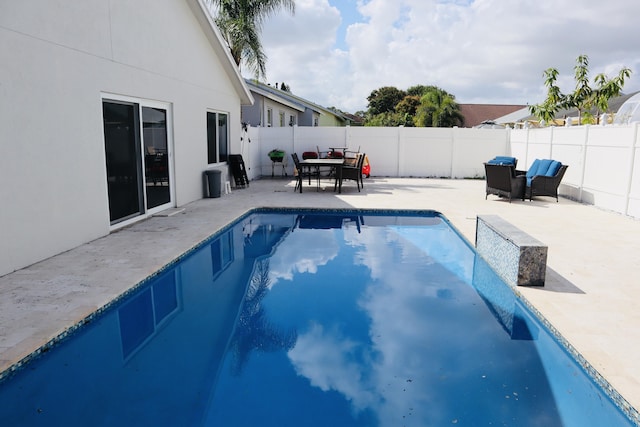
(533, 170)
(544, 167)
(503, 160)
(554, 167)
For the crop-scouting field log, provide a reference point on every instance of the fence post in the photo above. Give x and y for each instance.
(453, 150)
(632, 155)
(526, 148)
(399, 150)
(585, 147)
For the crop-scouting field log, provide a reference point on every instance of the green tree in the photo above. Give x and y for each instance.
(240, 22)
(607, 88)
(407, 109)
(420, 90)
(438, 108)
(384, 100)
(584, 97)
(388, 119)
(555, 99)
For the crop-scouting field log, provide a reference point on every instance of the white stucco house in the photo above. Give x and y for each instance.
(110, 111)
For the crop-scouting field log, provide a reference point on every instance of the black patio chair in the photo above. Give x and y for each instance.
(502, 181)
(543, 178)
(304, 172)
(353, 172)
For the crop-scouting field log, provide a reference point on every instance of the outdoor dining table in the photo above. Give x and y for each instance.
(318, 163)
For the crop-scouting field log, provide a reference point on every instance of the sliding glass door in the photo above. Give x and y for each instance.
(156, 156)
(137, 155)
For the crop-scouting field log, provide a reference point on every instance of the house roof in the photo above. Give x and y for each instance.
(211, 31)
(475, 114)
(516, 116)
(263, 90)
(280, 96)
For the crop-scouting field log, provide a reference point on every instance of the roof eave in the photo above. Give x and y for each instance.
(216, 40)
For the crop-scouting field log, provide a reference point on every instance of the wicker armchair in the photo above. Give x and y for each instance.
(353, 172)
(540, 182)
(503, 181)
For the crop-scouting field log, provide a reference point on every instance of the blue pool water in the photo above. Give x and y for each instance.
(298, 318)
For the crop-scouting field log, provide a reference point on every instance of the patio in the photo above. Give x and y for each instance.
(590, 295)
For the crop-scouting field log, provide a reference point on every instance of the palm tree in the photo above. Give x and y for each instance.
(438, 108)
(240, 22)
(253, 330)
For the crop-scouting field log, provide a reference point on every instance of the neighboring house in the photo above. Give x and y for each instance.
(475, 114)
(511, 118)
(277, 108)
(110, 112)
(563, 114)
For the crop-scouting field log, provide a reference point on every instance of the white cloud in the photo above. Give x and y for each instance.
(325, 357)
(484, 51)
(295, 255)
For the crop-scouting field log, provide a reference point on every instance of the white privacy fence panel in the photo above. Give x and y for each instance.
(392, 152)
(603, 160)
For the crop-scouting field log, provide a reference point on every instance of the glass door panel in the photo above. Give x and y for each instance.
(156, 156)
(223, 143)
(124, 183)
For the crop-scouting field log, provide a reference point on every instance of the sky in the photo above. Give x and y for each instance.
(336, 52)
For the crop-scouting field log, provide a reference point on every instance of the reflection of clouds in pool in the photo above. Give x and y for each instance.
(408, 369)
(330, 361)
(303, 251)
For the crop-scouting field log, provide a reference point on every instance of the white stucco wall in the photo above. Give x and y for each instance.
(59, 58)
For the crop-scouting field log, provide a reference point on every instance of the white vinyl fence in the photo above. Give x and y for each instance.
(392, 152)
(603, 162)
(603, 167)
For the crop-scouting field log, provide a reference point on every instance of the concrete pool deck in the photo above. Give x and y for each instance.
(591, 293)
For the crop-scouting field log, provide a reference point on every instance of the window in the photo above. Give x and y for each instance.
(281, 118)
(217, 137)
(221, 253)
(269, 117)
(144, 315)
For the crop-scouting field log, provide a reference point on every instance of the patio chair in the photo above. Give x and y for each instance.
(543, 178)
(353, 172)
(502, 180)
(304, 172)
(322, 154)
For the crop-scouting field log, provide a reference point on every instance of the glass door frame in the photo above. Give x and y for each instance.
(140, 103)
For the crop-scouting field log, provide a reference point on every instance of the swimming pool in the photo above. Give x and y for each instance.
(355, 318)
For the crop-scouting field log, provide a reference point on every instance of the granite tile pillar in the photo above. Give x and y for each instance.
(519, 259)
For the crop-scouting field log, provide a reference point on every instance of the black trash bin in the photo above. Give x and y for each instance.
(214, 181)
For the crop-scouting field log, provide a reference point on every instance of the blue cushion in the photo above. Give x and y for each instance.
(543, 167)
(503, 160)
(553, 168)
(533, 169)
